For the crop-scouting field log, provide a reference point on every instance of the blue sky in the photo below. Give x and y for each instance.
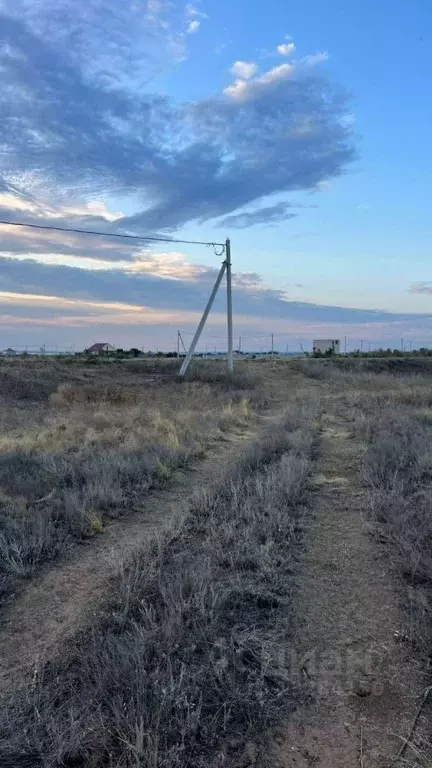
(299, 129)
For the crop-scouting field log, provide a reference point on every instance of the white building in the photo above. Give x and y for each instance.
(324, 345)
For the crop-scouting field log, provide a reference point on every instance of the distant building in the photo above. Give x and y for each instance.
(100, 348)
(324, 345)
(9, 352)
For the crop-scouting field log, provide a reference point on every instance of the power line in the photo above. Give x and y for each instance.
(111, 234)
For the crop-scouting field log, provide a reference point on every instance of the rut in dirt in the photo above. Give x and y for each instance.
(365, 683)
(63, 598)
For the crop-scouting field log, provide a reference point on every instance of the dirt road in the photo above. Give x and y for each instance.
(362, 675)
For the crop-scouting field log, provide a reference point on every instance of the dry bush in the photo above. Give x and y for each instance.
(92, 450)
(187, 662)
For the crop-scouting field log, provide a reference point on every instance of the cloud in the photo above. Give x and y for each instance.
(168, 282)
(61, 304)
(286, 49)
(243, 90)
(244, 70)
(314, 59)
(193, 16)
(193, 26)
(191, 12)
(11, 202)
(80, 121)
(268, 215)
(421, 287)
(122, 45)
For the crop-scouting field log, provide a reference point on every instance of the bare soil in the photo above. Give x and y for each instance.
(364, 681)
(63, 598)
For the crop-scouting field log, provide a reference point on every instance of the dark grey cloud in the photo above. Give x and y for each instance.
(272, 214)
(251, 297)
(74, 122)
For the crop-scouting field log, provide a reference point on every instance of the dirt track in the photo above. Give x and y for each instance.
(56, 603)
(366, 686)
(365, 682)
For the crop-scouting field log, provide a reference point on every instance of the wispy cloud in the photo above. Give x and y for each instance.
(267, 215)
(193, 17)
(193, 12)
(421, 287)
(193, 26)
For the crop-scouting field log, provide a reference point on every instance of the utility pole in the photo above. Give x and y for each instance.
(361, 345)
(272, 348)
(178, 343)
(239, 346)
(201, 325)
(229, 305)
(226, 267)
(402, 344)
(182, 343)
(345, 345)
(369, 346)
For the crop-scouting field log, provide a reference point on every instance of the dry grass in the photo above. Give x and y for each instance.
(81, 445)
(392, 415)
(397, 468)
(185, 665)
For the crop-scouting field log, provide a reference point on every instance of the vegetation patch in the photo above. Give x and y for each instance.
(190, 661)
(88, 447)
(396, 425)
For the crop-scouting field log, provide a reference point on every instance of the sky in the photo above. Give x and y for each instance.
(299, 130)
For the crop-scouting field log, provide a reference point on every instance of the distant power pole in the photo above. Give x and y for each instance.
(345, 344)
(178, 343)
(239, 344)
(180, 337)
(361, 345)
(369, 346)
(402, 344)
(272, 344)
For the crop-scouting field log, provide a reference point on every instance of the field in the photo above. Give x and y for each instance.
(218, 572)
